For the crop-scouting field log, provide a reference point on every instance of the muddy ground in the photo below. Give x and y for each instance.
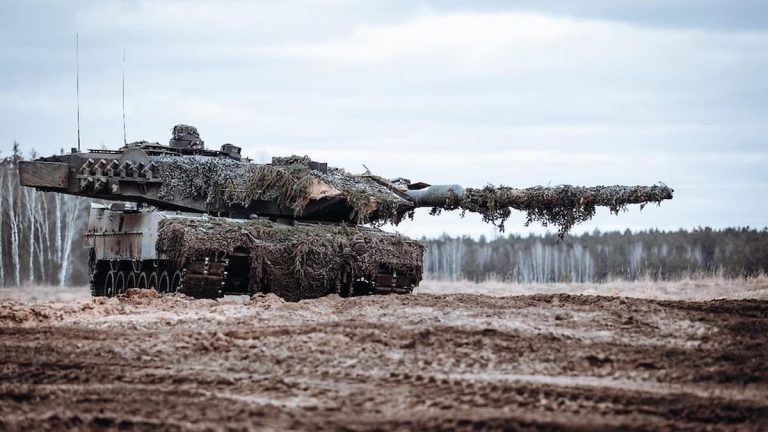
(424, 361)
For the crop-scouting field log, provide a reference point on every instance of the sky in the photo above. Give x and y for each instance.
(517, 93)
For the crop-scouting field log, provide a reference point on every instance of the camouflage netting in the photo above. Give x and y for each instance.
(560, 206)
(182, 129)
(139, 144)
(289, 181)
(296, 262)
(219, 180)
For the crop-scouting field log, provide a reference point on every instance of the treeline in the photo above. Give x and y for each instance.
(40, 233)
(597, 257)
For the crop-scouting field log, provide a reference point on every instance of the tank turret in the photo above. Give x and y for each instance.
(221, 223)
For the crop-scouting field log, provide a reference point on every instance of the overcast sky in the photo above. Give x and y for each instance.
(470, 92)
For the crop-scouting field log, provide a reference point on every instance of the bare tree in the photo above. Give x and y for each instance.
(71, 211)
(30, 200)
(14, 224)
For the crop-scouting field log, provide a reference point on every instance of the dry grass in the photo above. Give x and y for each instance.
(44, 293)
(694, 288)
(707, 288)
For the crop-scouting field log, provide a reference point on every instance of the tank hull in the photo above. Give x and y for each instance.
(208, 257)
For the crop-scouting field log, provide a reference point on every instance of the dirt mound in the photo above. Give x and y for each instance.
(141, 293)
(15, 313)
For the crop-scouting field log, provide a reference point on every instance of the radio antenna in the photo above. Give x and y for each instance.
(77, 60)
(125, 140)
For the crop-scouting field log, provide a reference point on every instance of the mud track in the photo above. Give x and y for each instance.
(541, 362)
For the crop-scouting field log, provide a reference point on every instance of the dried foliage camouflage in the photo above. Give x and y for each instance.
(286, 181)
(297, 261)
(561, 206)
(182, 129)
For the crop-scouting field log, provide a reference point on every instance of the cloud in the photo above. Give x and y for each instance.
(711, 15)
(534, 93)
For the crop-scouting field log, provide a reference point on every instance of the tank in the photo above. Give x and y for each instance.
(206, 223)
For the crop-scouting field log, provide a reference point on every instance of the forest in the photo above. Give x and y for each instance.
(598, 256)
(40, 233)
(41, 242)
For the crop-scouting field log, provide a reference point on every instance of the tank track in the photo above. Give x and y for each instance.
(200, 279)
(110, 278)
(210, 257)
(206, 278)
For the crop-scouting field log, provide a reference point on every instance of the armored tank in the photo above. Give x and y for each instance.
(184, 218)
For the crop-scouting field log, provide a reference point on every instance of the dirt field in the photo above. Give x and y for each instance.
(424, 361)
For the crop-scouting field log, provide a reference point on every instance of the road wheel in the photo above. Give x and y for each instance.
(164, 284)
(109, 284)
(130, 281)
(152, 281)
(120, 282)
(176, 281)
(142, 281)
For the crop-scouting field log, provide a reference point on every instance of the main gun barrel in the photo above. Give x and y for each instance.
(562, 206)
